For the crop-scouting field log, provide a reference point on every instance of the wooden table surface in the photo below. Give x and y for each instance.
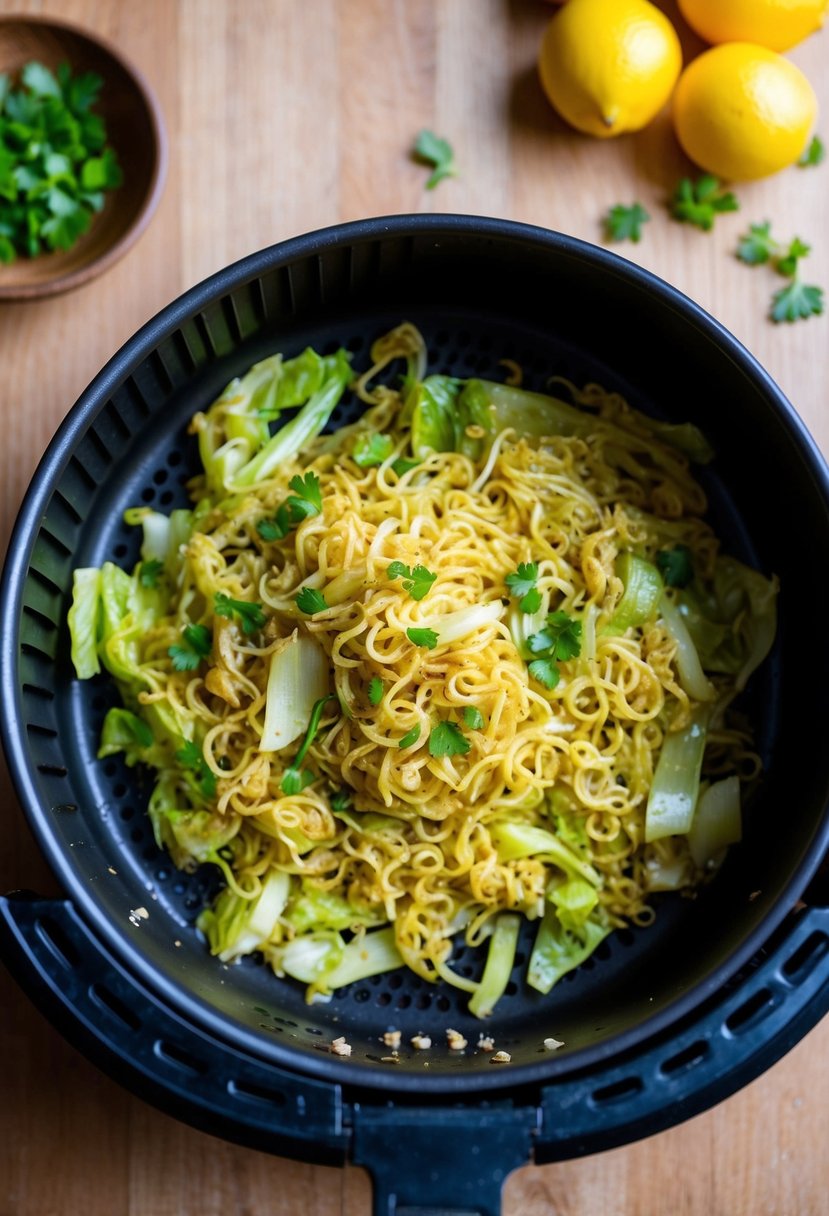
(288, 115)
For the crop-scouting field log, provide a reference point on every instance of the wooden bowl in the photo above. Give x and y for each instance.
(135, 129)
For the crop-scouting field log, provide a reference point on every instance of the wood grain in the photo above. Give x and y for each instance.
(285, 115)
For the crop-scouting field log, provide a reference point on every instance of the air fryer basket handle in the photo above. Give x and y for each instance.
(443, 1161)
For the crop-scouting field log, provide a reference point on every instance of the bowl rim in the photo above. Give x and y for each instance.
(197, 1011)
(90, 270)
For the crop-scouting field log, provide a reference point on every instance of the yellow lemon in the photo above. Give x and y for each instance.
(741, 111)
(777, 24)
(609, 66)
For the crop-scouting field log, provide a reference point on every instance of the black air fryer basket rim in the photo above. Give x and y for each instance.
(123, 363)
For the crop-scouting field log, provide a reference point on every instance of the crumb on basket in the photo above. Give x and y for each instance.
(501, 1057)
(485, 1043)
(394, 1059)
(340, 1047)
(553, 1044)
(421, 1042)
(392, 1039)
(455, 1040)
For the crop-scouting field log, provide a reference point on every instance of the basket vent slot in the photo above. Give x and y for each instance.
(101, 996)
(53, 770)
(46, 732)
(686, 1059)
(180, 1058)
(57, 943)
(751, 1011)
(256, 1093)
(619, 1091)
(806, 957)
(35, 690)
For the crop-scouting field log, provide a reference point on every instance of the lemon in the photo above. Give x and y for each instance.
(609, 66)
(777, 24)
(742, 111)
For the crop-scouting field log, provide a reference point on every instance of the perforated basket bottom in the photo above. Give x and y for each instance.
(135, 455)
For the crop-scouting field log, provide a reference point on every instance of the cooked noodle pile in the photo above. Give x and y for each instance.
(450, 780)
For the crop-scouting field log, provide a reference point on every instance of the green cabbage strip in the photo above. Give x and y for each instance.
(640, 599)
(574, 900)
(325, 962)
(717, 822)
(84, 619)
(733, 624)
(499, 963)
(235, 926)
(691, 675)
(675, 786)
(558, 950)
(307, 424)
(314, 908)
(514, 840)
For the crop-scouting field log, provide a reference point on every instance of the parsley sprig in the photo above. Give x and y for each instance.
(309, 601)
(55, 163)
(195, 645)
(416, 581)
(447, 740)
(700, 202)
(558, 641)
(305, 501)
(250, 616)
(625, 223)
(375, 690)
(676, 565)
(437, 152)
(522, 586)
(148, 573)
(422, 637)
(814, 155)
(797, 301)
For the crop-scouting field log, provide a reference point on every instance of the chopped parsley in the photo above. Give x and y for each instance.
(625, 223)
(700, 202)
(370, 450)
(340, 801)
(309, 600)
(422, 637)
(815, 153)
(522, 586)
(148, 573)
(402, 466)
(196, 644)
(797, 302)
(410, 737)
(675, 565)
(447, 740)
(473, 718)
(375, 690)
(417, 581)
(190, 757)
(437, 152)
(249, 615)
(55, 163)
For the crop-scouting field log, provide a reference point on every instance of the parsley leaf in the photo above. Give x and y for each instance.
(422, 637)
(701, 201)
(797, 302)
(559, 640)
(308, 500)
(371, 450)
(522, 584)
(625, 223)
(410, 737)
(473, 718)
(675, 565)
(438, 152)
(190, 757)
(375, 690)
(545, 671)
(417, 582)
(196, 644)
(787, 264)
(250, 616)
(148, 573)
(758, 245)
(340, 801)
(447, 740)
(278, 527)
(815, 154)
(309, 600)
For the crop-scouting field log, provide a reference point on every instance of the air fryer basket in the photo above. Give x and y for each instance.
(480, 291)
